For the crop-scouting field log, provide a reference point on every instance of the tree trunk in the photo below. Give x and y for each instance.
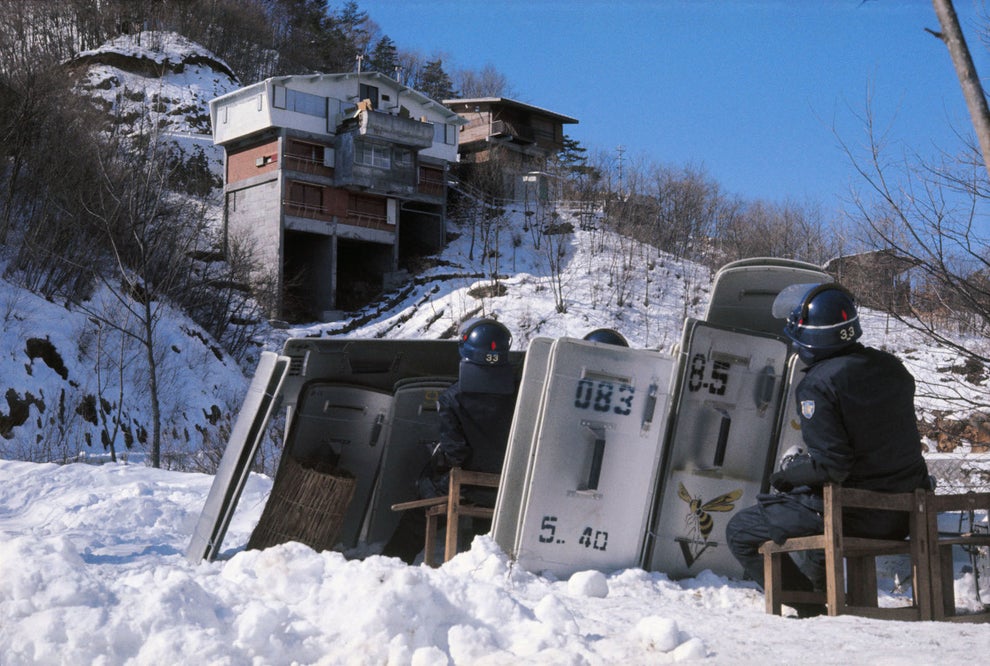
(976, 101)
(156, 408)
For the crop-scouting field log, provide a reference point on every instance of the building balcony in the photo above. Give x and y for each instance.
(396, 129)
(514, 131)
(310, 211)
(353, 217)
(431, 184)
(306, 165)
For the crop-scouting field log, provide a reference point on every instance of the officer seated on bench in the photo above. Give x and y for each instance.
(856, 409)
(475, 418)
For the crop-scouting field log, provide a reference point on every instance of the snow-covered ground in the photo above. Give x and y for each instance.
(93, 571)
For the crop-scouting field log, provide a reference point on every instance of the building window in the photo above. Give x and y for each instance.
(373, 209)
(373, 155)
(300, 102)
(369, 92)
(308, 197)
(310, 152)
(444, 133)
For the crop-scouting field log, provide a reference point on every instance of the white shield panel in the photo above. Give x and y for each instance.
(790, 422)
(235, 465)
(411, 430)
(721, 446)
(519, 451)
(597, 451)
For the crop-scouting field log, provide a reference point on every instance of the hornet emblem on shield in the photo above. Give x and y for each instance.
(700, 522)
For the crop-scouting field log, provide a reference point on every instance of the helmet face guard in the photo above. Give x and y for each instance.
(821, 318)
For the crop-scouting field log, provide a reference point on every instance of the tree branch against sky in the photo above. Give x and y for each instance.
(976, 100)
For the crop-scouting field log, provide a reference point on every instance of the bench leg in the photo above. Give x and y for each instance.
(946, 584)
(431, 540)
(862, 581)
(772, 582)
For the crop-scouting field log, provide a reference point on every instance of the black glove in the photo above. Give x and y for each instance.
(780, 482)
(799, 474)
(439, 464)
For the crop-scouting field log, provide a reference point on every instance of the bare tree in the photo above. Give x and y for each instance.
(928, 216)
(151, 235)
(488, 82)
(768, 229)
(972, 90)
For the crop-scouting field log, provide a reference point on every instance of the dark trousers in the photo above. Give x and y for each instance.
(779, 517)
(776, 518)
(407, 539)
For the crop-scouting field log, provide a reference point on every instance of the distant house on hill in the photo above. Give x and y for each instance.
(333, 180)
(879, 279)
(518, 137)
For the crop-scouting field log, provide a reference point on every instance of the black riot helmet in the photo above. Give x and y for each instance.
(608, 336)
(484, 342)
(821, 318)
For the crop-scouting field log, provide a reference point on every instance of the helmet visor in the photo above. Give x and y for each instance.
(790, 298)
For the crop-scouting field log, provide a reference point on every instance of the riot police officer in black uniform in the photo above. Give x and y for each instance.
(475, 417)
(856, 407)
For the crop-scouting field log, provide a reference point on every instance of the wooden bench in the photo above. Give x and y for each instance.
(452, 507)
(941, 545)
(850, 562)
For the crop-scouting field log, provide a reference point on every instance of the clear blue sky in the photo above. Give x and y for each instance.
(755, 92)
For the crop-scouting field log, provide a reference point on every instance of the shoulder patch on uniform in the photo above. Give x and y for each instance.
(807, 408)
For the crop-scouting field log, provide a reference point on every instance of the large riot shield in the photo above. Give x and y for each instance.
(595, 459)
(245, 438)
(743, 292)
(376, 363)
(519, 450)
(337, 394)
(341, 424)
(411, 430)
(723, 441)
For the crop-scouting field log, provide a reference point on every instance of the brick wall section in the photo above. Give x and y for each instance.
(243, 164)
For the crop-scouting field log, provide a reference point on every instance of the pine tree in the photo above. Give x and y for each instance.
(434, 82)
(384, 57)
(353, 26)
(572, 156)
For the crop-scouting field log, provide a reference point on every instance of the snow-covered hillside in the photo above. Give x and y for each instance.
(73, 385)
(66, 393)
(157, 82)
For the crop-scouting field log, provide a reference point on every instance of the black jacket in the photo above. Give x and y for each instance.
(858, 422)
(474, 433)
(474, 428)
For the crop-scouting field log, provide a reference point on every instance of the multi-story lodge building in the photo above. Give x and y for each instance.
(332, 180)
